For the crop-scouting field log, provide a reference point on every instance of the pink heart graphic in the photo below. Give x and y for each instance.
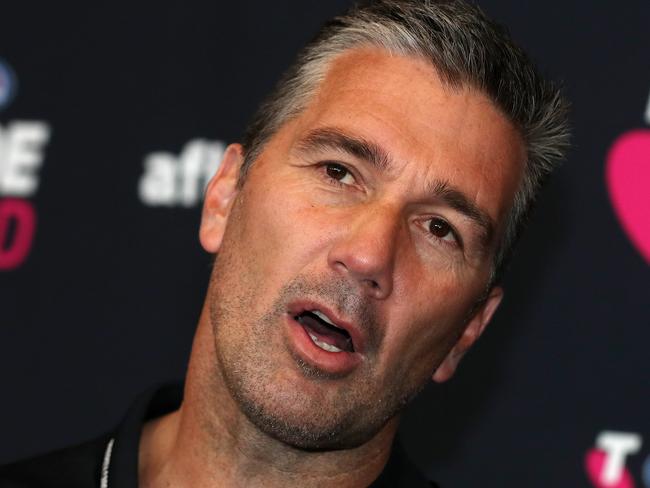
(628, 181)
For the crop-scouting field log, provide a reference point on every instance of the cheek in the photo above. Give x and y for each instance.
(280, 227)
(425, 322)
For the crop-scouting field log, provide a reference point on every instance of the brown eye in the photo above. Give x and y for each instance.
(336, 171)
(440, 228)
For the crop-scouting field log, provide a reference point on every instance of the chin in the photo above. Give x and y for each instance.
(313, 422)
(310, 429)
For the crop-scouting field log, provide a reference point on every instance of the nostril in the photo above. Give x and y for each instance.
(340, 264)
(372, 284)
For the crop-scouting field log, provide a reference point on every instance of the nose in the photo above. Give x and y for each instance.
(365, 251)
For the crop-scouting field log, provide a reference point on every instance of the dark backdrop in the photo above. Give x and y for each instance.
(112, 116)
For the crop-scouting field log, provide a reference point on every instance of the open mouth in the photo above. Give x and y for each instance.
(324, 333)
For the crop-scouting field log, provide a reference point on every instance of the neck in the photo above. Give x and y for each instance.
(210, 442)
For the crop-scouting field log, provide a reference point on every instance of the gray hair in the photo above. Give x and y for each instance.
(467, 49)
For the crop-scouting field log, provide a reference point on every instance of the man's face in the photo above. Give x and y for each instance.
(376, 210)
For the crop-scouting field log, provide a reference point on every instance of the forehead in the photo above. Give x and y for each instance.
(429, 129)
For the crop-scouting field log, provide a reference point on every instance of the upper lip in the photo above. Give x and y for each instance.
(358, 337)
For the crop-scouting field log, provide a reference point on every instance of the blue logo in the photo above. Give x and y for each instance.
(7, 84)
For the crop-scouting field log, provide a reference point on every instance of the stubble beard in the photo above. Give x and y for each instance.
(336, 416)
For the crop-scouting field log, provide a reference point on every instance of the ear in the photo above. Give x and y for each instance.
(472, 332)
(219, 197)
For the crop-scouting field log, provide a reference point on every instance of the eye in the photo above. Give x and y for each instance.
(442, 230)
(339, 173)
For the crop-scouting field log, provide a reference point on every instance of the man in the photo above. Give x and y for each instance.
(360, 233)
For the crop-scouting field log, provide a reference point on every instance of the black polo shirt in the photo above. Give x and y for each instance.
(111, 461)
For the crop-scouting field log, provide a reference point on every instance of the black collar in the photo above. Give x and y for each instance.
(120, 466)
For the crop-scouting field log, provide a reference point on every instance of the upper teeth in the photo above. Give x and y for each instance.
(323, 317)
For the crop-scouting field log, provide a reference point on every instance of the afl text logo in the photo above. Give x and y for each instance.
(7, 84)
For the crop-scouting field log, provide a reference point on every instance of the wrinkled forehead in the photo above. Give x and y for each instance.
(428, 127)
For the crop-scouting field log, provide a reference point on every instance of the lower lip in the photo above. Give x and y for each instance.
(339, 363)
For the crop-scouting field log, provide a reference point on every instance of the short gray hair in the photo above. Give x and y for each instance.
(466, 48)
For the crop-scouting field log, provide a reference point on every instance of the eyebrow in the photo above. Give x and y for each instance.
(332, 138)
(338, 140)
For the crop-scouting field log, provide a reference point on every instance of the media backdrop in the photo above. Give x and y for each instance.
(114, 114)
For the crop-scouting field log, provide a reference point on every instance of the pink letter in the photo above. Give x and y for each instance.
(12, 254)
